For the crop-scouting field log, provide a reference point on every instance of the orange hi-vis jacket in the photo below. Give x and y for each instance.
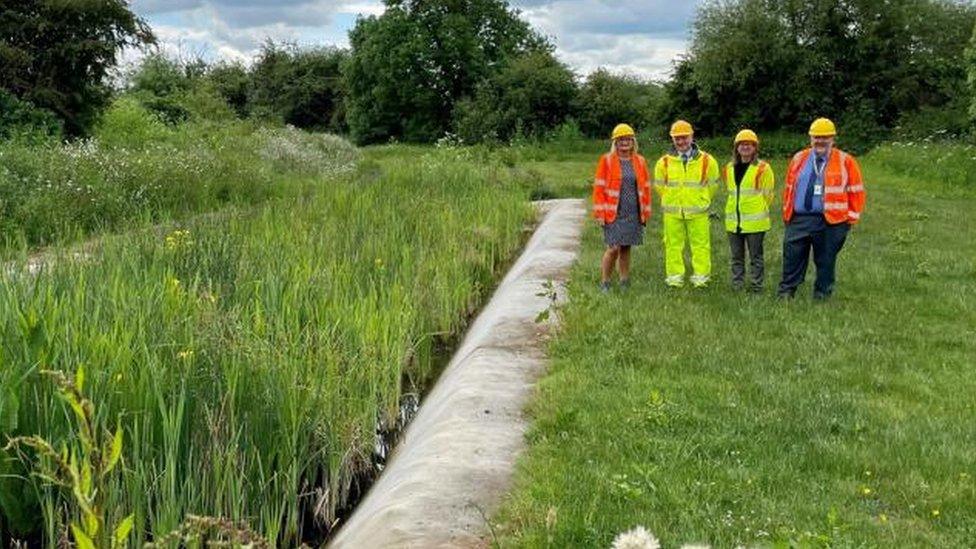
(843, 187)
(606, 187)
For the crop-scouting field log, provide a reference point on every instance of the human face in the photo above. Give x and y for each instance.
(821, 145)
(746, 150)
(682, 142)
(625, 145)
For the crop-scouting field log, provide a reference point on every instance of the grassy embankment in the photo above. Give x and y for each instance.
(732, 419)
(249, 356)
(136, 171)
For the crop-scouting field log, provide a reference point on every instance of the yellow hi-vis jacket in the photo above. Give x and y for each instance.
(747, 208)
(686, 189)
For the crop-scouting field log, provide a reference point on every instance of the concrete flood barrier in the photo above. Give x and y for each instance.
(455, 460)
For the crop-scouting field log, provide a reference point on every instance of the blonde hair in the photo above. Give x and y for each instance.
(613, 144)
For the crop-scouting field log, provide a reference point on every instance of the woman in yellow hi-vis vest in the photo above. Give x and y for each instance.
(687, 180)
(750, 183)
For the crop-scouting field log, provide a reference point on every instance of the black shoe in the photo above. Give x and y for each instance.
(604, 287)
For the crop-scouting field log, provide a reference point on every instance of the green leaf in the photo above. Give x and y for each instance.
(542, 316)
(122, 531)
(90, 520)
(86, 478)
(9, 407)
(80, 378)
(75, 405)
(116, 451)
(83, 541)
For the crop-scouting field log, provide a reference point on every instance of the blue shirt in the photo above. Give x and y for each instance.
(809, 176)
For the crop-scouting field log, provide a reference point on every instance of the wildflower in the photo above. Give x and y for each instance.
(172, 285)
(935, 513)
(185, 354)
(638, 538)
(866, 491)
(696, 546)
(883, 518)
(178, 239)
(118, 377)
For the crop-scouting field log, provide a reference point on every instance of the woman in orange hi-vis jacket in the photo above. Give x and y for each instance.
(621, 203)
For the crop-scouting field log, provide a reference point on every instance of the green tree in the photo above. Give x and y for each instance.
(56, 54)
(411, 66)
(607, 99)
(530, 96)
(233, 82)
(177, 91)
(771, 64)
(301, 87)
(22, 120)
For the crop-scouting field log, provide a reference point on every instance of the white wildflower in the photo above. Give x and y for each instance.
(638, 538)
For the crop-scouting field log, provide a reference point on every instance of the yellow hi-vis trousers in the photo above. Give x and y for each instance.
(695, 231)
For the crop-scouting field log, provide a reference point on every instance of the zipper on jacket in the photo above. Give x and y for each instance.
(738, 198)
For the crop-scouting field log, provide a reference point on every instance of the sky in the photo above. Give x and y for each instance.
(639, 38)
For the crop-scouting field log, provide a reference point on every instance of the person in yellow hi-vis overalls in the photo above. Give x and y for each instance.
(687, 180)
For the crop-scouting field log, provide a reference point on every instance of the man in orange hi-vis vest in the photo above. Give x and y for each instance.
(823, 198)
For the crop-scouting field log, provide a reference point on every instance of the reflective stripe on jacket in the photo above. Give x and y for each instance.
(606, 187)
(686, 189)
(843, 187)
(747, 207)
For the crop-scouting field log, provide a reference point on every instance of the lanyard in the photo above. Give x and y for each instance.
(819, 172)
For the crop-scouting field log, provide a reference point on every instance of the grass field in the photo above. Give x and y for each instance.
(248, 357)
(731, 419)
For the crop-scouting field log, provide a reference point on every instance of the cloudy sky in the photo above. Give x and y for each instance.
(630, 36)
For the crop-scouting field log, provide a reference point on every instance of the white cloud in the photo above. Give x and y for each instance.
(628, 36)
(638, 38)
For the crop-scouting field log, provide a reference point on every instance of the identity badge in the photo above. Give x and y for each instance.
(818, 190)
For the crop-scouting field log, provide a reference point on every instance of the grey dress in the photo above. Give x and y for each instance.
(626, 229)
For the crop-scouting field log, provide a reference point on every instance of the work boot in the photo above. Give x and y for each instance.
(605, 287)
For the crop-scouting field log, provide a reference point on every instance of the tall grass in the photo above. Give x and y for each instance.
(945, 162)
(250, 356)
(138, 169)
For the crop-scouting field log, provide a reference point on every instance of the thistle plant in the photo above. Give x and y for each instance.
(82, 467)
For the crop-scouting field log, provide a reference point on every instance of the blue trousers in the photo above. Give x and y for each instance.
(803, 234)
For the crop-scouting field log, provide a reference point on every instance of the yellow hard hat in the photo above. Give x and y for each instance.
(746, 135)
(622, 130)
(822, 127)
(680, 128)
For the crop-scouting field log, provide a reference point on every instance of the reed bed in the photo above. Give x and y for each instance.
(249, 357)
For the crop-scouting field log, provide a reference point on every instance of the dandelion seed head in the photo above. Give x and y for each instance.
(637, 538)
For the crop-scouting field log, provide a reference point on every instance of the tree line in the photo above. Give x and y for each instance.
(476, 70)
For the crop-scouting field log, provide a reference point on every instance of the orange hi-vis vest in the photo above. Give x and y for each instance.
(843, 187)
(606, 187)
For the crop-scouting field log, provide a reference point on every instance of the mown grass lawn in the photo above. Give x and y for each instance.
(723, 418)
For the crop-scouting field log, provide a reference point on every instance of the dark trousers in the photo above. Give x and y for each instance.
(803, 233)
(738, 242)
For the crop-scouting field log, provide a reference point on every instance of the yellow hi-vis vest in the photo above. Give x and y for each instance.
(747, 208)
(686, 189)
